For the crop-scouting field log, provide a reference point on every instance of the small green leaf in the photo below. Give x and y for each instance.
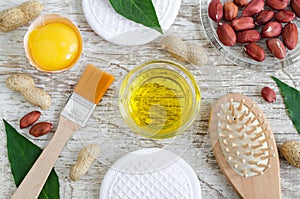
(140, 11)
(22, 154)
(291, 98)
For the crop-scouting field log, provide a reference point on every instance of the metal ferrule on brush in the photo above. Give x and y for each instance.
(78, 109)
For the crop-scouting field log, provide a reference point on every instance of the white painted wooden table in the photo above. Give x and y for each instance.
(106, 127)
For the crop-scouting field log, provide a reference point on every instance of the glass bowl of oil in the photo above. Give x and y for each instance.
(159, 99)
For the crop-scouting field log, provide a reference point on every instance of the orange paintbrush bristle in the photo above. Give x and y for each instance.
(93, 83)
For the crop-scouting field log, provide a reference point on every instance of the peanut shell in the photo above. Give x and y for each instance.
(291, 152)
(196, 55)
(175, 46)
(85, 158)
(20, 82)
(38, 97)
(11, 19)
(15, 17)
(31, 9)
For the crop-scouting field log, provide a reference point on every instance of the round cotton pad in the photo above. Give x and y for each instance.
(150, 174)
(113, 27)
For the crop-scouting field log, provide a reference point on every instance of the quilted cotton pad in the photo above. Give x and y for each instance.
(150, 174)
(111, 26)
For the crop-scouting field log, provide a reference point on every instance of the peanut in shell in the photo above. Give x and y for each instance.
(291, 152)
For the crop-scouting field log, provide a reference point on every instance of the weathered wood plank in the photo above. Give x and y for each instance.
(106, 126)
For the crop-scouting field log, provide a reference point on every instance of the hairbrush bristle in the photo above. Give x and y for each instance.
(243, 137)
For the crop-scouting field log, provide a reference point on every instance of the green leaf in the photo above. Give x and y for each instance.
(140, 11)
(291, 98)
(22, 154)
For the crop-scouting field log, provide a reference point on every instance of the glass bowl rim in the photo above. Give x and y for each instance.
(193, 85)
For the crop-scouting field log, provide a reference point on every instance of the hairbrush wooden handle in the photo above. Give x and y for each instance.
(35, 179)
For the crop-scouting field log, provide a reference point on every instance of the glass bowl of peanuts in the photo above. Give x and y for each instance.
(256, 34)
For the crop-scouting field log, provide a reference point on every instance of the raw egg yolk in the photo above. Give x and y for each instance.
(54, 46)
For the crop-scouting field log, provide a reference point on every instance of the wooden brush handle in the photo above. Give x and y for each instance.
(35, 179)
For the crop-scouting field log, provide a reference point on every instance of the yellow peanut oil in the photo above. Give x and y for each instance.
(160, 101)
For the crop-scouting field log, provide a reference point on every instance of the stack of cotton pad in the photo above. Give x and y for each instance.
(111, 26)
(150, 174)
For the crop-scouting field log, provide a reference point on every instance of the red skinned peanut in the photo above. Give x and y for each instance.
(271, 29)
(252, 8)
(268, 94)
(290, 36)
(264, 16)
(248, 36)
(255, 52)
(277, 4)
(230, 11)
(276, 47)
(226, 34)
(215, 10)
(285, 16)
(243, 23)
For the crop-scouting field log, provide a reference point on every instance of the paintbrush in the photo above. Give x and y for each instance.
(87, 94)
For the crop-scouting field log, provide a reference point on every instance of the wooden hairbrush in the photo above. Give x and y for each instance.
(244, 146)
